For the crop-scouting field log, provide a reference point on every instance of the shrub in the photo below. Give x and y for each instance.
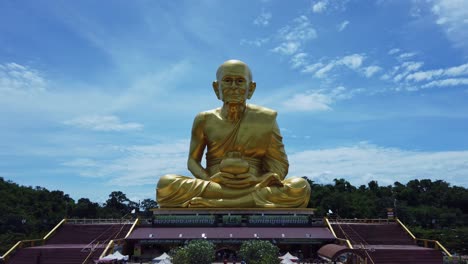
(196, 251)
(259, 252)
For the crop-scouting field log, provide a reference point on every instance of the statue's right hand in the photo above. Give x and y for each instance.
(221, 177)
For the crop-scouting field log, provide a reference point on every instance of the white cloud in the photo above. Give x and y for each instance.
(406, 67)
(320, 6)
(412, 65)
(424, 75)
(308, 102)
(312, 67)
(300, 31)
(16, 78)
(406, 55)
(364, 162)
(322, 72)
(256, 42)
(452, 16)
(352, 61)
(298, 60)
(263, 19)
(393, 51)
(287, 48)
(446, 82)
(136, 165)
(408, 76)
(25, 91)
(316, 100)
(457, 71)
(103, 123)
(431, 74)
(342, 26)
(371, 70)
(293, 36)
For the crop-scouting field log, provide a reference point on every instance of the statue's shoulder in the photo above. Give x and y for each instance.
(261, 110)
(207, 114)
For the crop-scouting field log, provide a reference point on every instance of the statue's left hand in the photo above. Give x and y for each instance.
(238, 181)
(221, 177)
(269, 179)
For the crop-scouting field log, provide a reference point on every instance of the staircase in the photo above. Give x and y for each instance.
(73, 254)
(373, 233)
(407, 255)
(385, 243)
(71, 244)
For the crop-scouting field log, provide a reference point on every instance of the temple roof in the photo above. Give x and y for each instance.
(155, 233)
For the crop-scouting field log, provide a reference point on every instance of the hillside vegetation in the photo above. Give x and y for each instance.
(432, 209)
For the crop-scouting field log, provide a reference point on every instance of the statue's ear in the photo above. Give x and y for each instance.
(252, 87)
(216, 89)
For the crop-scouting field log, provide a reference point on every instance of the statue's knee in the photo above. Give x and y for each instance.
(299, 182)
(298, 186)
(166, 180)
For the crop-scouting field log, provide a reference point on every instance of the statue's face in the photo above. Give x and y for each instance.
(234, 83)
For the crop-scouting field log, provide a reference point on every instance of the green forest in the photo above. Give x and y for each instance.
(431, 209)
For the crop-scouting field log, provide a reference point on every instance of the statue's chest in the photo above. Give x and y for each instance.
(247, 135)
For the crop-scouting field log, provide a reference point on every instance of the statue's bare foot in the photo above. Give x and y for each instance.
(269, 179)
(203, 202)
(219, 203)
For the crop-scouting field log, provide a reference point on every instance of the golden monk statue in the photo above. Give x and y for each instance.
(246, 164)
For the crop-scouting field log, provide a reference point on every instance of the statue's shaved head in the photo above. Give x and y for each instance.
(233, 64)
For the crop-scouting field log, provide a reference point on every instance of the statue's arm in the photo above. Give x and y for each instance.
(197, 146)
(276, 160)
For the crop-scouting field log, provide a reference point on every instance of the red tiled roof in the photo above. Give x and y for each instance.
(155, 233)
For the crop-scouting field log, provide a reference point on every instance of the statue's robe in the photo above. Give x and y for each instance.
(256, 135)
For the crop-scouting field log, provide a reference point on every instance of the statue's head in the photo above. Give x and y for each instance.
(234, 82)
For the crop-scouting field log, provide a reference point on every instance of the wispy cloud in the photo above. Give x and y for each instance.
(136, 165)
(353, 61)
(263, 19)
(409, 76)
(23, 89)
(431, 74)
(298, 60)
(406, 55)
(316, 100)
(320, 6)
(342, 26)
(294, 35)
(256, 42)
(364, 162)
(360, 163)
(313, 101)
(321, 70)
(371, 70)
(16, 78)
(406, 68)
(452, 16)
(312, 68)
(446, 82)
(103, 123)
(393, 51)
(287, 48)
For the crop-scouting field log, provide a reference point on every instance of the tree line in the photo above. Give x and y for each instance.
(432, 209)
(31, 212)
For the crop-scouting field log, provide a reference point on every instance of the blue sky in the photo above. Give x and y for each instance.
(97, 96)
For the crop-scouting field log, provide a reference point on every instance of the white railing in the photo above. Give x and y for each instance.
(100, 221)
